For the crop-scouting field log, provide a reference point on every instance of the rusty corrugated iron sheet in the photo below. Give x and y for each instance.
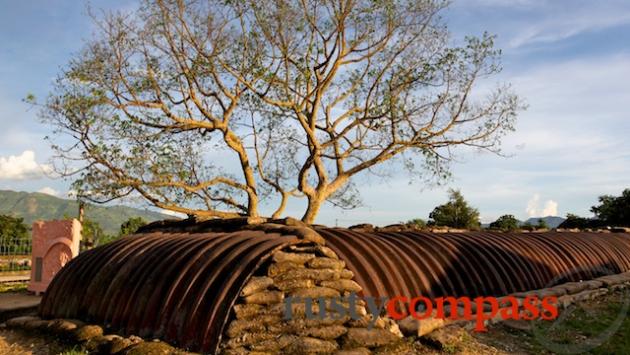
(472, 264)
(179, 287)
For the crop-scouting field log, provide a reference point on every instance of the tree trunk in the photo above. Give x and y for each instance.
(314, 205)
(283, 204)
(234, 142)
(252, 205)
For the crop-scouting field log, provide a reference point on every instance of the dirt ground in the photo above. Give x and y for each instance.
(23, 343)
(14, 342)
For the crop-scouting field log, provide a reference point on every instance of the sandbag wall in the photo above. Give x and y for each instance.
(298, 272)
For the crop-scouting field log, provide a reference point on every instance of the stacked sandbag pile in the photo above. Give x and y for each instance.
(305, 271)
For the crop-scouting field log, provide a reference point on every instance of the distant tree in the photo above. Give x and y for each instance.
(131, 225)
(299, 98)
(506, 223)
(455, 213)
(614, 211)
(527, 226)
(575, 221)
(417, 223)
(541, 224)
(14, 236)
(92, 235)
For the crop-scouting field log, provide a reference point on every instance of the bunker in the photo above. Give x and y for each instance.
(181, 281)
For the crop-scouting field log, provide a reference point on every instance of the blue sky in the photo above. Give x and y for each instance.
(568, 59)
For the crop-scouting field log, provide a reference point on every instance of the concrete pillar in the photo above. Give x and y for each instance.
(54, 244)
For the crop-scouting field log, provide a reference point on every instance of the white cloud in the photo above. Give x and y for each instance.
(533, 207)
(568, 21)
(534, 22)
(551, 208)
(22, 167)
(49, 191)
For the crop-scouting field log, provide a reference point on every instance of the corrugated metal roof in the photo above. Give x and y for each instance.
(475, 263)
(179, 287)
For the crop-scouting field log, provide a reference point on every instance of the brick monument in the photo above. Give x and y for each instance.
(54, 244)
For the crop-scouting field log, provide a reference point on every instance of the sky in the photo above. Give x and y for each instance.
(568, 59)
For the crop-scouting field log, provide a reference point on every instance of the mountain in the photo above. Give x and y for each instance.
(551, 221)
(38, 206)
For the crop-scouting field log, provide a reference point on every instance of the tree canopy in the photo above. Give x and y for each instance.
(92, 235)
(14, 235)
(506, 223)
(131, 225)
(614, 210)
(455, 213)
(575, 221)
(208, 107)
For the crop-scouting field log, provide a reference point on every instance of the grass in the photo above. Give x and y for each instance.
(15, 273)
(15, 257)
(13, 287)
(599, 326)
(20, 341)
(12, 268)
(74, 351)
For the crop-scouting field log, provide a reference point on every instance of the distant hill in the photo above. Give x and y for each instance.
(551, 221)
(38, 206)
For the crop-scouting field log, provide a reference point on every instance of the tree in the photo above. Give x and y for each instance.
(506, 223)
(527, 226)
(455, 213)
(296, 97)
(417, 223)
(614, 211)
(92, 235)
(14, 235)
(575, 221)
(541, 224)
(131, 225)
